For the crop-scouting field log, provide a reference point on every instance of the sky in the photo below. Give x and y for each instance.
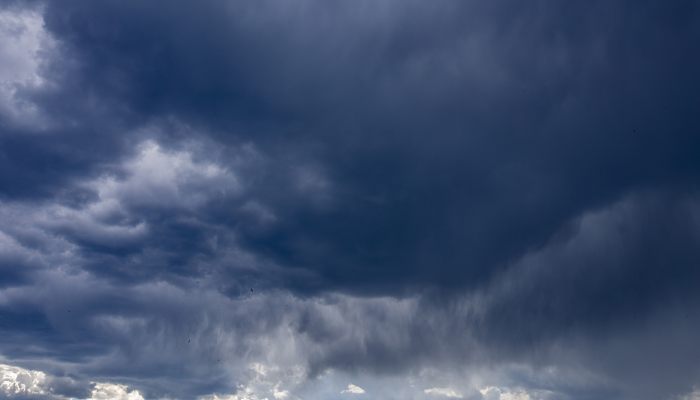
(366, 199)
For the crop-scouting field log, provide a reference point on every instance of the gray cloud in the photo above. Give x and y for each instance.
(485, 200)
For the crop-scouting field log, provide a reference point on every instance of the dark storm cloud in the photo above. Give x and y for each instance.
(452, 150)
(455, 137)
(621, 263)
(626, 273)
(522, 176)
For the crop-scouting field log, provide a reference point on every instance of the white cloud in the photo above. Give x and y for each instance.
(445, 392)
(221, 397)
(353, 389)
(110, 391)
(497, 393)
(264, 381)
(16, 381)
(156, 177)
(22, 383)
(279, 394)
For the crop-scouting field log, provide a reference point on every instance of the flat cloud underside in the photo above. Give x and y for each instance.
(502, 193)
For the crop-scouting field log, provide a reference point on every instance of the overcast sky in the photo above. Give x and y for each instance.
(354, 199)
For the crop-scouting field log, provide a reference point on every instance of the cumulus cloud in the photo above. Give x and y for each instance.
(21, 383)
(16, 381)
(109, 391)
(353, 389)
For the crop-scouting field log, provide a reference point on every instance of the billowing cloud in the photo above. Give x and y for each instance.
(109, 391)
(16, 382)
(21, 383)
(353, 389)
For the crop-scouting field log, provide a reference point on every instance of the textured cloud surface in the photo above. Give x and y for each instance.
(387, 199)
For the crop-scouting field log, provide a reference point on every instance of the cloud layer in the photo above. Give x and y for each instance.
(368, 199)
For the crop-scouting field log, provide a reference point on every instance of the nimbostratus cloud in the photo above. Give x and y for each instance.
(445, 200)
